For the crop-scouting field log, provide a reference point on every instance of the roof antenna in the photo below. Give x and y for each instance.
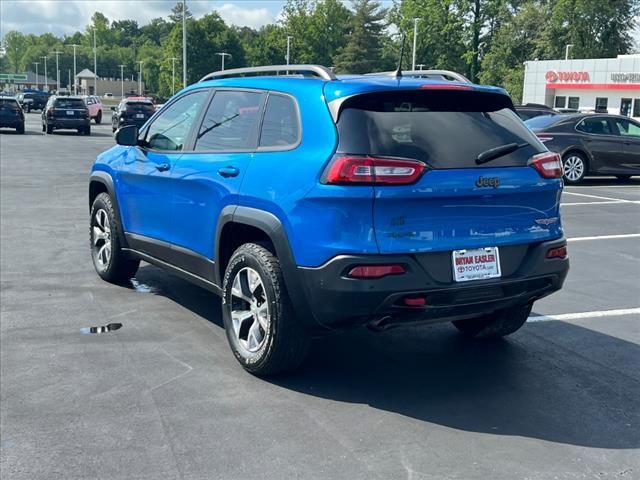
(398, 72)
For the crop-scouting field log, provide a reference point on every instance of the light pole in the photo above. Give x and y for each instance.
(95, 65)
(46, 81)
(121, 81)
(566, 50)
(289, 37)
(420, 66)
(223, 54)
(140, 78)
(173, 75)
(184, 43)
(75, 87)
(415, 41)
(57, 72)
(37, 82)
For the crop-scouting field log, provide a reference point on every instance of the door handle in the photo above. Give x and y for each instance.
(163, 167)
(227, 172)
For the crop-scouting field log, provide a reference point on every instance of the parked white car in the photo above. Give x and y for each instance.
(94, 104)
(108, 95)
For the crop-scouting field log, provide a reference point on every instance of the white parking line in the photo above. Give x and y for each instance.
(604, 202)
(583, 315)
(621, 200)
(603, 237)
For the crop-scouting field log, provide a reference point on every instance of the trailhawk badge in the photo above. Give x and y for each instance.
(547, 221)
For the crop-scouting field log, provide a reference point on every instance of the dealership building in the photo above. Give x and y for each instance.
(603, 85)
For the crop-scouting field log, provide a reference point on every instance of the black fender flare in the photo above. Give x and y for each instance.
(107, 181)
(272, 226)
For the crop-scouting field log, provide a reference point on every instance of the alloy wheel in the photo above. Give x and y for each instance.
(573, 168)
(249, 310)
(102, 238)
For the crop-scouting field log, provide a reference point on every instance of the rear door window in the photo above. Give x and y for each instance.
(231, 122)
(595, 126)
(444, 129)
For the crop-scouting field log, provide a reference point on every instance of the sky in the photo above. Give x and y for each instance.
(68, 16)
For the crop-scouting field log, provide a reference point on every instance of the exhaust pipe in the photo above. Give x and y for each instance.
(380, 324)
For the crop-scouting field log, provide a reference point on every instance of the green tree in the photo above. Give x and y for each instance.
(364, 43)
(15, 43)
(176, 13)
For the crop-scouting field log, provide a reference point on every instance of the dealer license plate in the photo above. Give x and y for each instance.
(70, 112)
(139, 115)
(476, 264)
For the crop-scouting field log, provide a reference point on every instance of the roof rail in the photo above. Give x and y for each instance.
(306, 70)
(442, 74)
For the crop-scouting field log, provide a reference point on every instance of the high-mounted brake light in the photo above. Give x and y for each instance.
(440, 86)
(375, 271)
(356, 169)
(548, 164)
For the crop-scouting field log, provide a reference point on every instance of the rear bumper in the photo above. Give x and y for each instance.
(70, 123)
(337, 301)
(11, 122)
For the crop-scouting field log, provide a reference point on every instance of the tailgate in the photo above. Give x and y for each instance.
(446, 210)
(478, 188)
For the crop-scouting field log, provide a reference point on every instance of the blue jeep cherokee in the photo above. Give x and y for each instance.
(311, 203)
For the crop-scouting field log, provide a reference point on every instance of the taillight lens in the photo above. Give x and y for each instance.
(544, 138)
(375, 271)
(557, 252)
(548, 164)
(363, 169)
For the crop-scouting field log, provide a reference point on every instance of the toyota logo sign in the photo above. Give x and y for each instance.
(552, 76)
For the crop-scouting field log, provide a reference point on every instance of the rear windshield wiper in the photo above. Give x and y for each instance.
(498, 152)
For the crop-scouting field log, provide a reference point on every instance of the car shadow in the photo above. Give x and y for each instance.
(4, 131)
(73, 133)
(552, 380)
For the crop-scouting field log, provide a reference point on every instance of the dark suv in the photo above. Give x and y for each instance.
(11, 115)
(312, 203)
(132, 111)
(32, 100)
(66, 113)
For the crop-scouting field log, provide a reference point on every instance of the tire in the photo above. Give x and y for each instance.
(113, 129)
(98, 118)
(276, 344)
(20, 130)
(106, 240)
(49, 129)
(495, 325)
(575, 167)
(28, 108)
(624, 178)
(87, 131)
(44, 129)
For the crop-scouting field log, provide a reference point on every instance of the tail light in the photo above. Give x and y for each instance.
(548, 164)
(50, 111)
(557, 252)
(366, 170)
(375, 271)
(544, 138)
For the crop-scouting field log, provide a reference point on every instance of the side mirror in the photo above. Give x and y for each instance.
(113, 109)
(127, 136)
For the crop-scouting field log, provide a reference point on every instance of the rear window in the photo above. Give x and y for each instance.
(444, 129)
(8, 102)
(73, 103)
(140, 106)
(542, 121)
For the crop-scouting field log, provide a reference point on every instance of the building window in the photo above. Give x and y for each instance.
(561, 102)
(625, 107)
(636, 107)
(601, 105)
(574, 102)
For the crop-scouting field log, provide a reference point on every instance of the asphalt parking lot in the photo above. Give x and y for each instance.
(163, 398)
